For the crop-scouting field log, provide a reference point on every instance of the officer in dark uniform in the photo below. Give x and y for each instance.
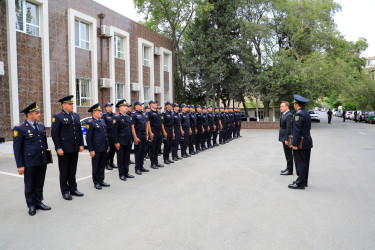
(147, 156)
(129, 113)
(139, 131)
(177, 132)
(205, 129)
(301, 127)
(168, 132)
(216, 126)
(200, 129)
(223, 124)
(228, 125)
(193, 126)
(108, 119)
(185, 131)
(154, 130)
(239, 123)
(122, 139)
(30, 151)
(159, 108)
(211, 124)
(68, 139)
(231, 128)
(98, 145)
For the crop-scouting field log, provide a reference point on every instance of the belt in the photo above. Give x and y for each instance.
(155, 129)
(141, 132)
(185, 127)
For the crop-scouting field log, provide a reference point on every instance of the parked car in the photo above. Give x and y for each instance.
(361, 116)
(365, 116)
(371, 117)
(348, 114)
(314, 115)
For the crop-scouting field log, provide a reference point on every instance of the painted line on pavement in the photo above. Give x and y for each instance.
(90, 176)
(10, 174)
(362, 133)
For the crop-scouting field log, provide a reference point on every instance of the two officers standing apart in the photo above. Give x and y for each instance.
(300, 141)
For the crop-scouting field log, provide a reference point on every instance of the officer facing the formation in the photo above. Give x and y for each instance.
(108, 119)
(98, 145)
(185, 130)
(68, 139)
(30, 152)
(168, 132)
(177, 132)
(205, 129)
(122, 139)
(216, 126)
(301, 127)
(154, 131)
(211, 125)
(193, 126)
(139, 131)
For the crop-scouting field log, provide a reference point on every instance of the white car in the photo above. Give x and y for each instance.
(314, 115)
(348, 114)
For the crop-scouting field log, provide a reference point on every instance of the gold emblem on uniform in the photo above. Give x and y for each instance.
(15, 133)
(296, 118)
(87, 126)
(53, 119)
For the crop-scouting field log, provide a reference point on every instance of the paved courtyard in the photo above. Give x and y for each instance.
(229, 197)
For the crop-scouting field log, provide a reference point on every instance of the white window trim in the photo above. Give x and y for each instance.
(125, 35)
(116, 50)
(79, 34)
(36, 2)
(144, 59)
(141, 43)
(167, 52)
(12, 60)
(72, 16)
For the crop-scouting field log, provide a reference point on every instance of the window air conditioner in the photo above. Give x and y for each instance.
(134, 86)
(105, 83)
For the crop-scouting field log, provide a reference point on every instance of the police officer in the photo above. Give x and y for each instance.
(216, 126)
(239, 123)
(98, 145)
(168, 132)
(223, 124)
(228, 125)
(301, 126)
(159, 108)
(147, 156)
(122, 139)
(108, 119)
(211, 125)
(154, 131)
(205, 129)
(231, 119)
(68, 139)
(30, 152)
(200, 129)
(129, 113)
(193, 126)
(185, 131)
(177, 132)
(139, 131)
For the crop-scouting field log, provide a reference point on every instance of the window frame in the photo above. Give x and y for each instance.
(116, 49)
(116, 94)
(87, 42)
(79, 94)
(24, 18)
(146, 55)
(166, 63)
(148, 93)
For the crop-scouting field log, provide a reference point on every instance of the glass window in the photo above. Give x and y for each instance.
(83, 92)
(146, 91)
(82, 35)
(119, 47)
(146, 56)
(27, 17)
(166, 63)
(166, 95)
(120, 91)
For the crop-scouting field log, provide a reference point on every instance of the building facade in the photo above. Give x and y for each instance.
(52, 48)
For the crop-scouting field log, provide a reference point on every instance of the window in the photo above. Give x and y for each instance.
(120, 91)
(119, 47)
(83, 92)
(166, 94)
(166, 63)
(27, 17)
(82, 35)
(146, 91)
(146, 56)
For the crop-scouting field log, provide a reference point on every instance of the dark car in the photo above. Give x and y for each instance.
(362, 116)
(371, 117)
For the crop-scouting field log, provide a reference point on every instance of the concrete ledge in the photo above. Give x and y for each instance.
(260, 125)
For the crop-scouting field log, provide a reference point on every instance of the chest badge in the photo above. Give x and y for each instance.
(296, 118)
(15, 133)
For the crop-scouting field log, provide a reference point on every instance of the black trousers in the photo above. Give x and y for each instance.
(140, 150)
(192, 140)
(302, 162)
(288, 152)
(204, 137)
(234, 131)
(167, 143)
(68, 169)
(98, 166)
(175, 142)
(198, 139)
(209, 136)
(227, 133)
(34, 181)
(154, 149)
(329, 119)
(222, 135)
(184, 141)
(111, 153)
(239, 129)
(215, 134)
(123, 157)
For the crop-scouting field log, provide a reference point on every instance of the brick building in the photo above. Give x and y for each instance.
(52, 48)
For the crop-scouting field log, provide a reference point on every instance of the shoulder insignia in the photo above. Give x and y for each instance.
(53, 119)
(299, 111)
(15, 133)
(87, 126)
(296, 118)
(20, 124)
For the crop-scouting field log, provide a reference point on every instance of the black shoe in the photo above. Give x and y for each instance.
(286, 173)
(41, 206)
(282, 171)
(144, 170)
(138, 172)
(174, 158)
(97, 186)
(188, 155)
(296, 186)
(113, 165)
(67, 197)
(147, 157)
(76, 193)
(170, 161)
(131, 162)
(184, 156)
(166, 162)
(129, 176)
(103, 184)
(154, 166)
(160, 154)
(122, 177)
(32, 210)
(192, 153)
(108, 167)
(159, 165)
(178, 157)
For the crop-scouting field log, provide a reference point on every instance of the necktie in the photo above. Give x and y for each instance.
(36, 126)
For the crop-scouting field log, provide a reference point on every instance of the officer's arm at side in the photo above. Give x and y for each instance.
(297, 126)
(89, 136)
(18, 147)
(55, 132)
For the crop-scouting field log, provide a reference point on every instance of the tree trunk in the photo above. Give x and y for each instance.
(266, 105)
(244, 106)
(218, 96)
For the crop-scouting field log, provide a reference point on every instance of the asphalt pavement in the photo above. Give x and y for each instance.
(229, 197)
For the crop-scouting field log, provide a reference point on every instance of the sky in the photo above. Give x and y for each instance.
(354, 21)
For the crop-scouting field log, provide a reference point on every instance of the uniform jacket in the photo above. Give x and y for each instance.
(66, 132)
(121, 129)
(210, 118)
(285, 126)
(185, 120)
(301, 126)
(96, 135)
(167, 118)
(204, 120)
(108, 119)
(155, 119)
(29, 145)
(176, 121)
(139, 119)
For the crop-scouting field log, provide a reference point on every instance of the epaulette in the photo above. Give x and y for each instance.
(58, 113)
(90, 120)
(18, 125)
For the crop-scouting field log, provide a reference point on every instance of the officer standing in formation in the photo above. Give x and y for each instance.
(122, 139)
(193, 126)
(154, 125)
(211, 125)
(216, 125)
(177, 132)
(108, 119)
(185, 131)
(168, 132)
(301, 126)
(205, 129)
(68, 139)
(30, 151)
